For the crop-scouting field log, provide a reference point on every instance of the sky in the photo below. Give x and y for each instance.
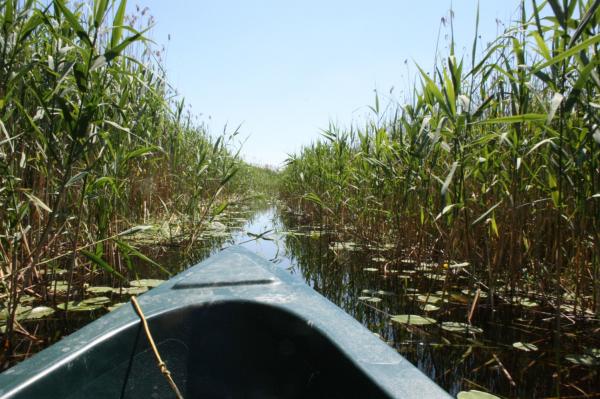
(283, 70)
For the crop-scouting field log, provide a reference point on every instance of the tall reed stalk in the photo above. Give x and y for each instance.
(494, 161)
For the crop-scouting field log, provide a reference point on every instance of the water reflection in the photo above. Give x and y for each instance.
(458, 359)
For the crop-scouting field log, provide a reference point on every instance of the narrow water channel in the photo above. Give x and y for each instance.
(456, 334)
(509, 350)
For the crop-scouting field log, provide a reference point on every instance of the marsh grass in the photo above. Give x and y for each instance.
(94, 144)
(493, 161)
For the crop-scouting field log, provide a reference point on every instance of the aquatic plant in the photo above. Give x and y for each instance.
(94, 145)
(494, 160)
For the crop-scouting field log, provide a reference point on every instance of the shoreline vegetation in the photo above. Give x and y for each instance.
(94, 144)
(493, 164)
(486, 185)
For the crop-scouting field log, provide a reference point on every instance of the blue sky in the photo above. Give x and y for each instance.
(285, 69)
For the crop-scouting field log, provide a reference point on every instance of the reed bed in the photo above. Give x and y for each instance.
(94, 145)
(493, 161)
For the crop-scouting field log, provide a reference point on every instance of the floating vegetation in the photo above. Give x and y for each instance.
(101, 290)
(413, 319)
(372, 299)
(343, 246)
(60, 286)
(475, 394)
(134, 290)
(430, 299)
(370, 269)
(525, 347)
(73, 306)
(486, 182)
(430, 308)
(25, 312)
(585, 359)
(433, 276)
(454, 326)
(149, 283)
(528, 303)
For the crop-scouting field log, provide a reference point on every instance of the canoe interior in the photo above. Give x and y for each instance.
(231, 349)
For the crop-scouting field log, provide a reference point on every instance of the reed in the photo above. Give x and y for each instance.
(93, 144)
(494, 160)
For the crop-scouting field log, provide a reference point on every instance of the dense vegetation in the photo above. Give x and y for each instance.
(93, 144)
(494, 161)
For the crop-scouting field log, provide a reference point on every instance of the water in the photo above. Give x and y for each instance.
(372, 285)
(483, 358)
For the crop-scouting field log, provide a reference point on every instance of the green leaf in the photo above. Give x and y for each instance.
(454, 326)
(140, 152)
(131, 250)
(412, 319)
(150, 283)
(525, 347)
(484, 215)
(102, 263)
(583, 360)
(117, 28)
(515, 119)
(73, 21)
(371, 299)
(475, 394)
(100, 7)
(116, 50)
(569, 53)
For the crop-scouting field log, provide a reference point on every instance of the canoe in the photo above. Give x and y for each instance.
(234, 326)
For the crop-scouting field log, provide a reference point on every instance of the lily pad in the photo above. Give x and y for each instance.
(595, 352)
(101, 290)
(27, 300)
(438, 277)
(370, 269)
(19, 313)
(430, 308)
(134, 290)
(77, 307)
(454, 326)
(583, 360)
(571, 309)
(342, 246)
(528, 303)
(475, 394)
(379, 259)
(371, 299)
(150, 283)
(413, 319)
(525, 346)
(432, 299)
(482, 294)
(99, 300)
(39, 312)
(60, 286)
